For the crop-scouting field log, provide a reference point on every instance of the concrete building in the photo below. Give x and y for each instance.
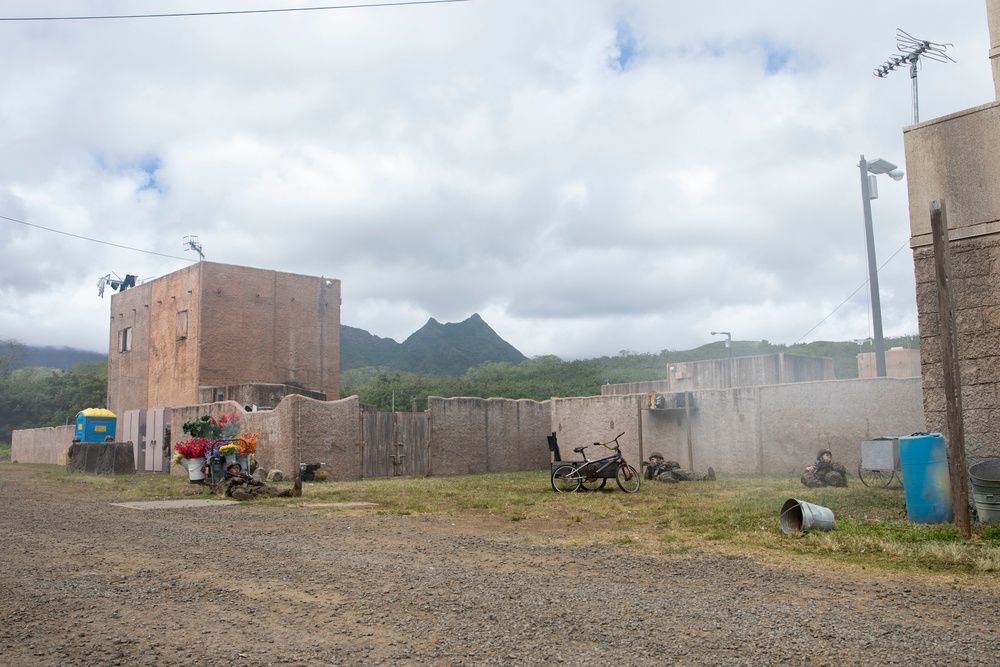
(218, 326)
(899, 363)
(755, 371)
(954, 159)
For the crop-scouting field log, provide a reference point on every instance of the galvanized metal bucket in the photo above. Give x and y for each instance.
(798, 516)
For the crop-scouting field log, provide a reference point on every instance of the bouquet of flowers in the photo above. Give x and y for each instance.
(247, 443)
(195, 448)
(209, 436)
(229, 448)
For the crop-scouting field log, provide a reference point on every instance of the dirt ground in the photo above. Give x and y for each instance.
(85, 581)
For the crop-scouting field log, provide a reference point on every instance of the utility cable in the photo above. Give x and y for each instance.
(851, 296)
(227, 13)
(85, 238)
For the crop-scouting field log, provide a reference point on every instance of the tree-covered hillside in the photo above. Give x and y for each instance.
(547, 377)
(34, 397)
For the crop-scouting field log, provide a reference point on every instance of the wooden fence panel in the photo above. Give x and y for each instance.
(395, 444)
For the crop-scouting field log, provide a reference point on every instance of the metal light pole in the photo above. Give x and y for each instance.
(869, 191)
(729, 341)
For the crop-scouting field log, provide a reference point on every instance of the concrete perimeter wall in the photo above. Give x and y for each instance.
(475, 435)
(42, 445)
(586, 420)
(780, 428)
(768, 429)
(298, 430)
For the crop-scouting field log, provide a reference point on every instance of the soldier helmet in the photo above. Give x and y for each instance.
(822, 452)
(234, 464)
(656, 455)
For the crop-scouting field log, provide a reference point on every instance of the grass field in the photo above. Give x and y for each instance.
(736, 515)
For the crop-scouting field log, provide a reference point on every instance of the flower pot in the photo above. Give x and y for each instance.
(195, 468)
(230, 458)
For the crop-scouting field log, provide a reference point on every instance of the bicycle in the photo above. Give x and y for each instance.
(592, 474)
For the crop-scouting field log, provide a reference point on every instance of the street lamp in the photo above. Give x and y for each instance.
(729, 340)
(869, 191)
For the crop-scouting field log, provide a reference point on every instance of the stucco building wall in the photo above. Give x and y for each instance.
(298, 430)
(42, 445)
(752, 371)
(475, 435)
(586, 420)
(899, 363)
(780, 428)
(954, 159)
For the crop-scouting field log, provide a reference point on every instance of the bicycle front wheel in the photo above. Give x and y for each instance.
(628, 479)
(565, 479)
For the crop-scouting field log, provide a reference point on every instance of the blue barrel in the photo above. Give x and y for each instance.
(924, 461)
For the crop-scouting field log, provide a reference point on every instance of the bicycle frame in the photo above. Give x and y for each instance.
(589, 468)
(592, 473)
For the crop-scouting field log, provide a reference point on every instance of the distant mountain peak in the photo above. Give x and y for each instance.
(435, 348)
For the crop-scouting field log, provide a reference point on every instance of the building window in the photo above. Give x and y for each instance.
(182, 324)
(125, 340)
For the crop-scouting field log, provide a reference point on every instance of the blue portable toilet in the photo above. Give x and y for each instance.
(95, 425)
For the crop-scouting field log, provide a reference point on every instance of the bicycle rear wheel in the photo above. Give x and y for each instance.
(565, 479)
(628, 479)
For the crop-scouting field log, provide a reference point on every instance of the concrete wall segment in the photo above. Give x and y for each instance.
(48, 445)
(953, 158)
(584, 421)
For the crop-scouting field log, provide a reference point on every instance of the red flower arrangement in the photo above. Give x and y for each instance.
(195, 448)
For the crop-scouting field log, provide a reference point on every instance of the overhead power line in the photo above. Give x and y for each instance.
(851, 296)
(86, 238)
(227, 13)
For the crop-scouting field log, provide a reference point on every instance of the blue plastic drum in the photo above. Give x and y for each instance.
(924, 461)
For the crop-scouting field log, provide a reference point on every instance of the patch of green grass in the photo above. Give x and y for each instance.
(4, 451)
(736, 515)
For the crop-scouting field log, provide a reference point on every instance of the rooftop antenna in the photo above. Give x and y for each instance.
(911, 50)
(192, 243)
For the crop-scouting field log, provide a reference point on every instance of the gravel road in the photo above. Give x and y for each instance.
(88, 582)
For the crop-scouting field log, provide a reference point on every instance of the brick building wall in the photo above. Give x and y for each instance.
(220, 325)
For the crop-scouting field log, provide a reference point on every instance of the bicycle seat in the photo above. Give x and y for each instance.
(579, 450)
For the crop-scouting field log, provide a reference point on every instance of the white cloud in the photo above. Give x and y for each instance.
(588, 176)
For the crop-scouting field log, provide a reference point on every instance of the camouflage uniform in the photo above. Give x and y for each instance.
(240, 486)
(671, 472)
(825, 473)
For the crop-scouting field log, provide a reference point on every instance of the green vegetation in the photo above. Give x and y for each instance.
(735, 517)
(546, 377)
(35, 397)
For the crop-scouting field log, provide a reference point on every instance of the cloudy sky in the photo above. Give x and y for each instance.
(589, 176)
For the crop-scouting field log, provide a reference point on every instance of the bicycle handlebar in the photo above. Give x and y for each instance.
(614, 440)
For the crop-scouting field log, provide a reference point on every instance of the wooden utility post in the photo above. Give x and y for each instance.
(950, 370)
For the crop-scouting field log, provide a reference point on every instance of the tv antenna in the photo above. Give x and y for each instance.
(911, 50)
(192, 243)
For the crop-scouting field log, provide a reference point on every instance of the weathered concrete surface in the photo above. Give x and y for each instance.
(42, 445)
(475, 435)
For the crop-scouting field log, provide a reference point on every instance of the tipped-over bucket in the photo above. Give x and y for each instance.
(798, 516)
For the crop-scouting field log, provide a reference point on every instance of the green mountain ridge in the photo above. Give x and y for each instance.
(433, 349)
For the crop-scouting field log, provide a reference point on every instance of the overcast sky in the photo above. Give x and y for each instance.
(589, 176)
